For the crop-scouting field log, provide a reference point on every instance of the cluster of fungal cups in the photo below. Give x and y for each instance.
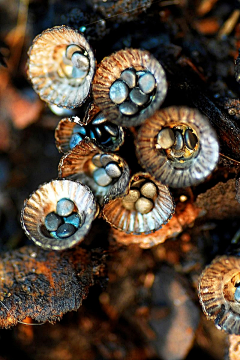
(176, 146)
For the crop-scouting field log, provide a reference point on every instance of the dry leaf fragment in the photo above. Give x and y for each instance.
(44, 285)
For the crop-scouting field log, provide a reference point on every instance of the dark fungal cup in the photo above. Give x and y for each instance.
(129, 86)
(107, 136)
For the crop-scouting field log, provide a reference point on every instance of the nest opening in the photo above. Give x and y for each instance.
(75, 63)
(179, 142)
(141, 196)
(100, 130)
(63, 222)
(104, 169)
(133, 91)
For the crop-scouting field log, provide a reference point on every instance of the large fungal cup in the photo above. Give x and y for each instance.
(61, 66)
(129, 86)
(178, 146)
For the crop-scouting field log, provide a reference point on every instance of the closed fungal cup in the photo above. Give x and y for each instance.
(144, 208)
(219, 293)
(61, 66)
(129, 86)
(178, 146)
(59, 214)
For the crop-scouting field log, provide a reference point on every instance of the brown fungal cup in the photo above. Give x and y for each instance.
(178, 146)
(45, 201)
(61, 66)
(64, 132)
(106, 174)
(219, 293)
(129, 86)
(145, 207)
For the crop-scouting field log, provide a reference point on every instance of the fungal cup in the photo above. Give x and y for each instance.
(107, 174)
(129, 86)
(178, 146)
(144, 208)
(59, 214)
(219, 293)
(61, 66)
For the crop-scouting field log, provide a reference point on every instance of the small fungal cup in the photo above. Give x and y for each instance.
(59, 214)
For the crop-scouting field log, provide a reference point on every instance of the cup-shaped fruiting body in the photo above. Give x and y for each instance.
(105, 135)
(69, 133)
(59, 214)
(106, 174)
(219, 293)
(178, 146)
(61, 66)
(146, 206)
(129, 86)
